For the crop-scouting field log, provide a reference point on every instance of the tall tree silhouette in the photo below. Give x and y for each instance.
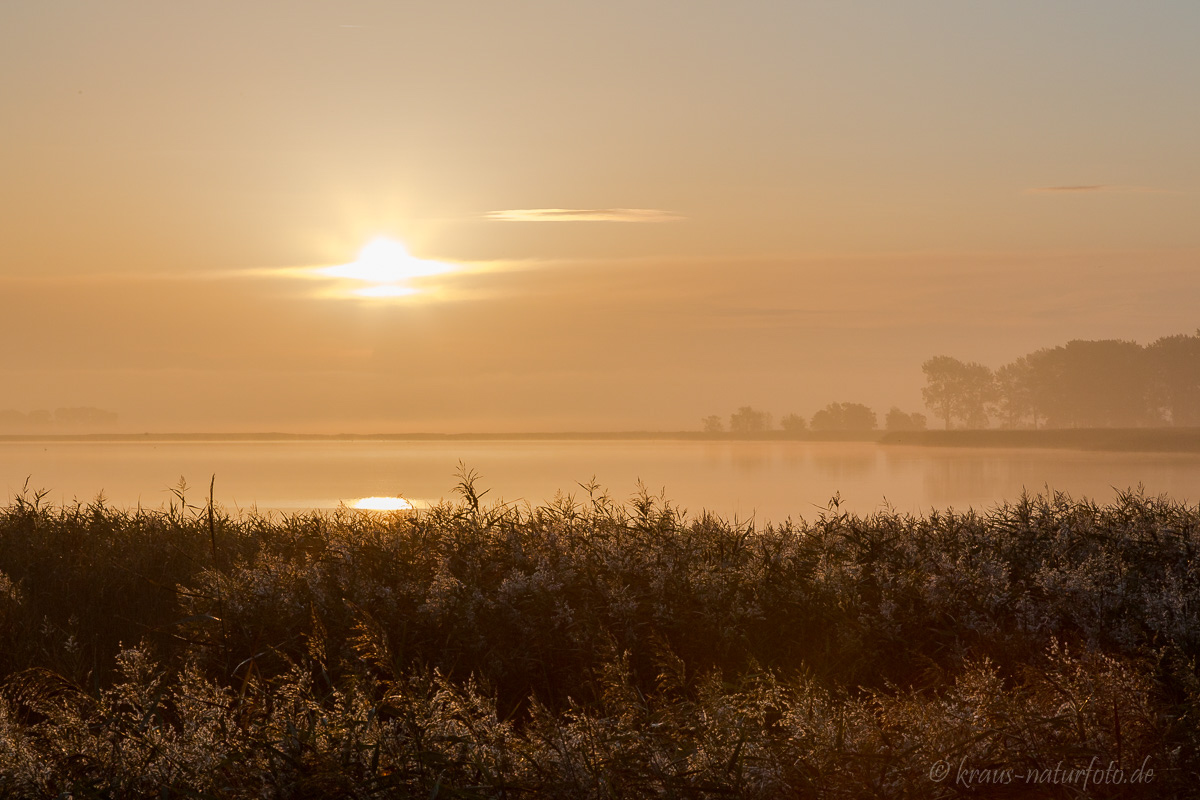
(1102, 383)
(958, 390)
(749, 420)
(1014, 400)
(1175, 370)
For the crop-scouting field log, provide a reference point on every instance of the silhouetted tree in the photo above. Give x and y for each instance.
(941, 386)
(1014, 399)
(1045, 378)
(794, 423)
(749, 420)
(844, 417)
(1175, 377)
(1093, 384)
(1084, 383)
(958, 390)
(979, 390)
(897, 420)
(712, 424)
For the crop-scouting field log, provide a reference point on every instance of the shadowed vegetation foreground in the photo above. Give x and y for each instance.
(593, 649)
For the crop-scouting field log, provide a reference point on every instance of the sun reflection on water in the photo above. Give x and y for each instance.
(382, 504)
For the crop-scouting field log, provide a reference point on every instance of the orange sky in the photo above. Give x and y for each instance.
(776, 204)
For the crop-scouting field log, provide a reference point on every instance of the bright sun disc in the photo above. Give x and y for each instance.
(382, 504)
(385, 262)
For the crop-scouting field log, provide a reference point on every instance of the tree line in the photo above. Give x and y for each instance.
(1082, 384)
(832, 418)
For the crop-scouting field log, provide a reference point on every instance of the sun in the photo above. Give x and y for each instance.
(384, 269)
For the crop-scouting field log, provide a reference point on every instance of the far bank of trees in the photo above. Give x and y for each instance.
(833, 418)
(1107, 383)
(1082, 384)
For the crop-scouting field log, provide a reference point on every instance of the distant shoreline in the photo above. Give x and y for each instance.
(565, 436)
(1149, 440)
(1143, 440)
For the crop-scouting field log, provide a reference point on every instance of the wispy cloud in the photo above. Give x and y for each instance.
(583, 215)
(1093, 188)
(149, 276)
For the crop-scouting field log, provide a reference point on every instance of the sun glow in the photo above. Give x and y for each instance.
(387, 269)
(386, 290)
(382, 504)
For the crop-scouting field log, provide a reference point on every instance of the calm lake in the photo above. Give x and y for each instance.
(766, 480)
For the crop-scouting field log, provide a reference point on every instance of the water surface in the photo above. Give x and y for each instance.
(764, 480)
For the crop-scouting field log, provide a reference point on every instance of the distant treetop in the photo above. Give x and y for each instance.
(844, 417)
(1082, 384)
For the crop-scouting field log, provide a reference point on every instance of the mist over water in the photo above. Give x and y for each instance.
(767, 480)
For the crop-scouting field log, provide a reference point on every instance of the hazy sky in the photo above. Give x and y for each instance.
(649, 211)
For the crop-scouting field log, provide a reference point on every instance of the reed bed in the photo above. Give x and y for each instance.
(591, 648)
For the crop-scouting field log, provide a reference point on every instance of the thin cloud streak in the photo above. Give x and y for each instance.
(152, 277)
(583, 215)
(1096, 188)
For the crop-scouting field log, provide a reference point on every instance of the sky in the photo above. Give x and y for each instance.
(617, 216)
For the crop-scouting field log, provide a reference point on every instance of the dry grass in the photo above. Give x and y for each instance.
(595, 649)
